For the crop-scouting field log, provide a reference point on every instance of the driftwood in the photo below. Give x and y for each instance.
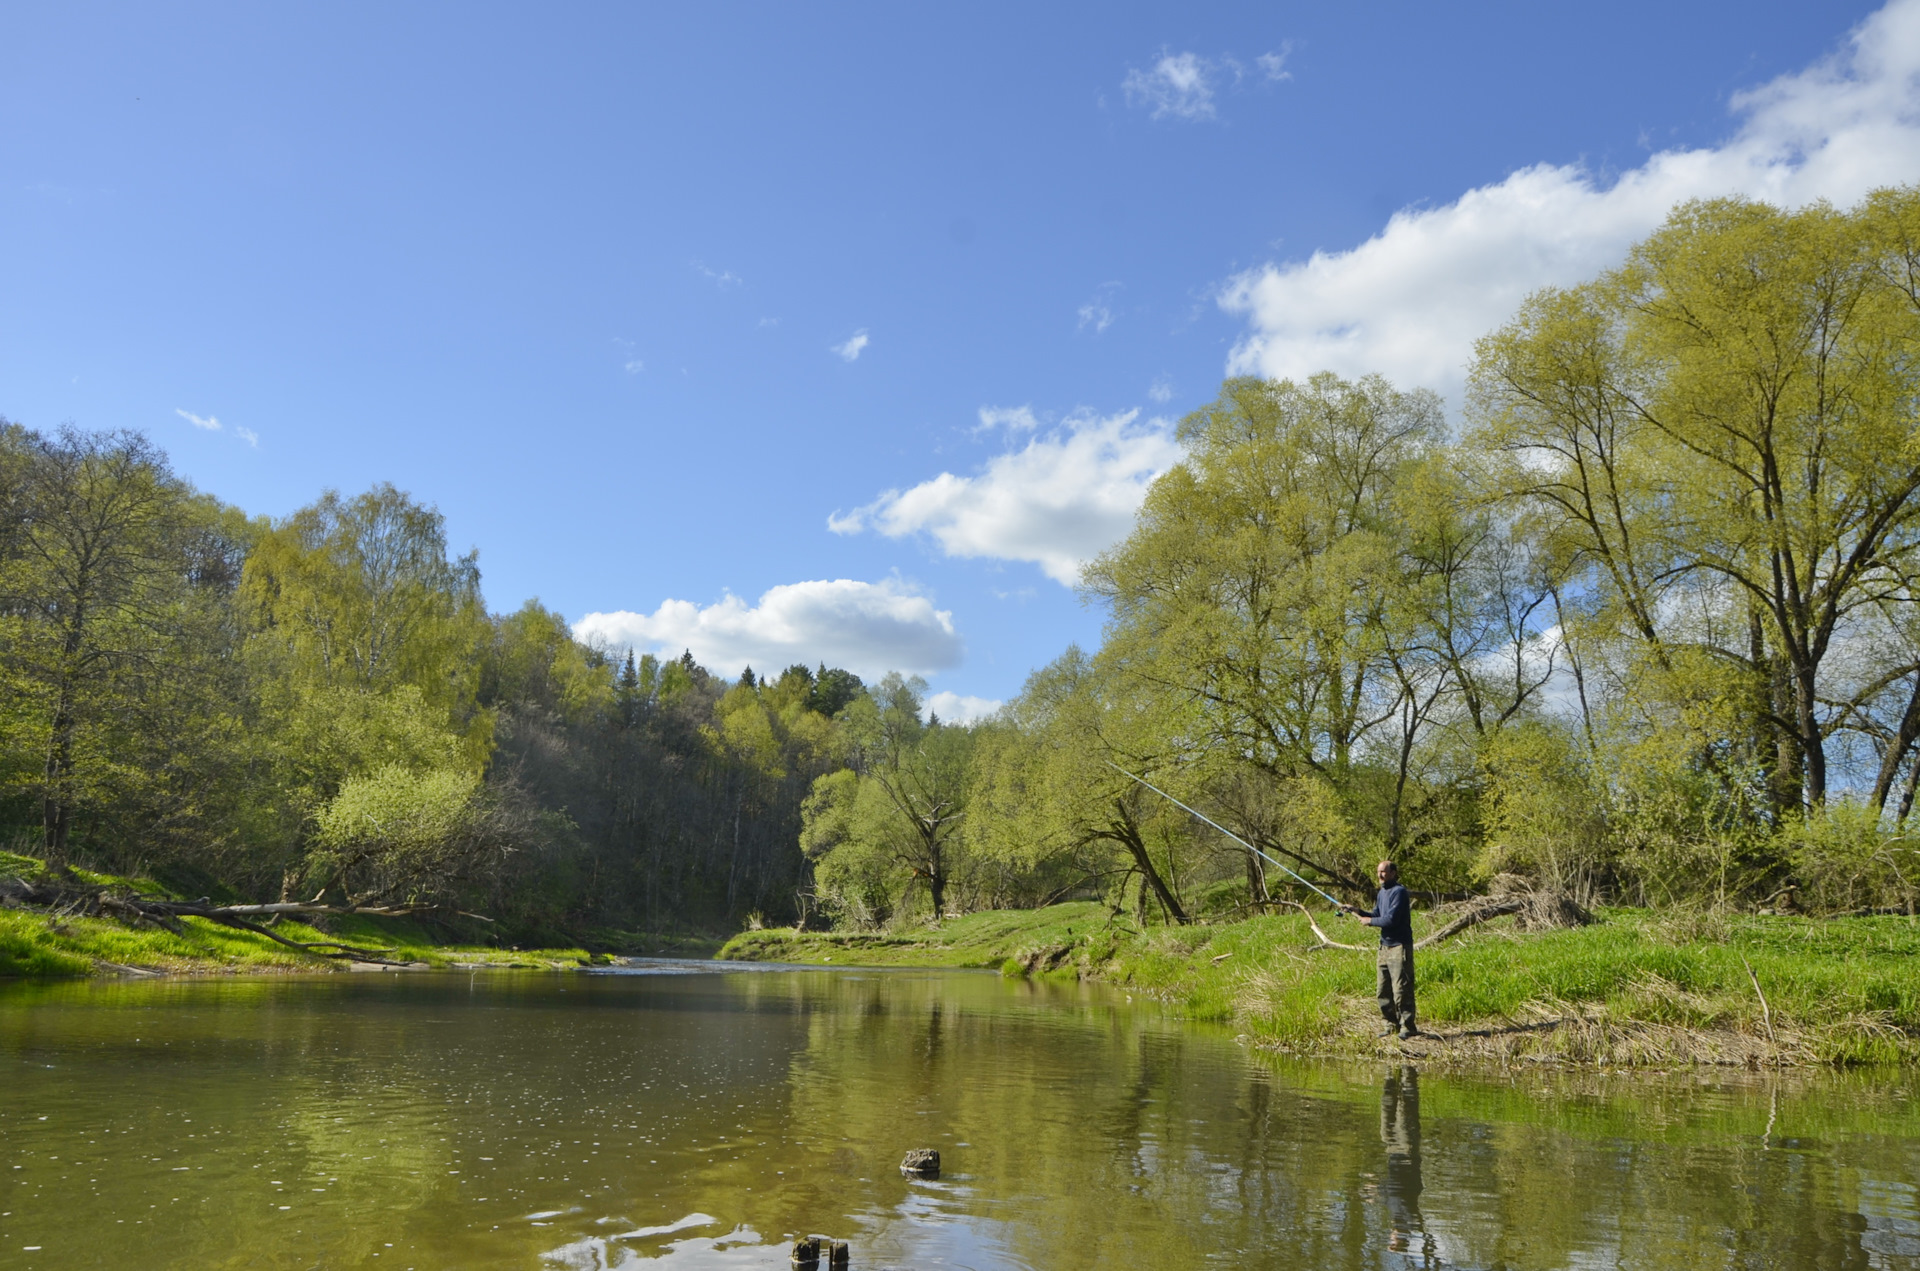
(134, 908)
(1480, 913)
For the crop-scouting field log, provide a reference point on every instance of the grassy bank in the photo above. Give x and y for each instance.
(1638, 988)
(37, 944)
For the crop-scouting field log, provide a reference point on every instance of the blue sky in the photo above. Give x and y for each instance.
(837, 334)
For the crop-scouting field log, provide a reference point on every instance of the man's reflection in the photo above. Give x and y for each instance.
(1400, 1132)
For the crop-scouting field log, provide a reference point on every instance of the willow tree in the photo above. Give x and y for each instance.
(1718, 443)
(1306, 598)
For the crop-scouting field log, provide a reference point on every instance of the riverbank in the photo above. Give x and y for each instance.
(37, 944)
(1638, 988)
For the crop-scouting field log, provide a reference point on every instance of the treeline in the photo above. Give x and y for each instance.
(324, 706)
(1645, 628)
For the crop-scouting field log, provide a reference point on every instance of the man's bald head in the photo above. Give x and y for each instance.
(1387, 872)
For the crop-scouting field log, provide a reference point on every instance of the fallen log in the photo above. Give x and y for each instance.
(166, 914)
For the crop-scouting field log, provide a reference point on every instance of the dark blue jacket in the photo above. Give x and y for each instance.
(1392, 912)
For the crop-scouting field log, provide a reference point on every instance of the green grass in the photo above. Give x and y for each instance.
(986, 939)
(39, 945)
(1636, 988)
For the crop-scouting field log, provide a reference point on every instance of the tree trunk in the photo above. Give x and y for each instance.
(1897, 749)
(1129, 835)
(56, 807)
(1812, 747)
(937, 887)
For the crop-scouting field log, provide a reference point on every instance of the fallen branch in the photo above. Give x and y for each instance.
(166, 914)
(1766, 1013)
(1478, 914)
(1325, 943)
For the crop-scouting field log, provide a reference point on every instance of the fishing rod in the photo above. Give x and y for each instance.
(1337, 904)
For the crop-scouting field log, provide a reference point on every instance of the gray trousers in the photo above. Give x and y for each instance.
(1396, 984)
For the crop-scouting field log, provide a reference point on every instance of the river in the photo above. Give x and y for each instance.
(686, 1116)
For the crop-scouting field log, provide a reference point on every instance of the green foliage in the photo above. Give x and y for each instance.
(890, 824)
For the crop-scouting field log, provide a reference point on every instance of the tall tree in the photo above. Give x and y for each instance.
(101, 550)
(1718, 438)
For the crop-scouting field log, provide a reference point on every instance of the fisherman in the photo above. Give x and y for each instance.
(1392, 912)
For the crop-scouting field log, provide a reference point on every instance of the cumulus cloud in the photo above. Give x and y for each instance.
(1410, 301)
(957, 708)
(868, 628)
(850, 351)
(1059, 501)
(1179, 85)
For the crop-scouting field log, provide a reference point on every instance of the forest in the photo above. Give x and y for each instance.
(1639, 622)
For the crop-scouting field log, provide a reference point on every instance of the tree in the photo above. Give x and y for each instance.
(907, 797)
(107, 561)
(1047, 787)
(1716, 441)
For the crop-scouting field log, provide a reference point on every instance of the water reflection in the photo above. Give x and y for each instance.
(1400, 1186)
(705, 1121)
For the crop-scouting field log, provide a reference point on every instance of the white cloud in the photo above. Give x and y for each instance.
(1059, 501)
(1273, 66)
(207, 422)
(1161, 390)
(956, 708)
(719, 277)
(1098, 312)
(868, 628)
(1180, 85)
(1008, 417)
(850, 351)
(1410, 301)
(247, 435)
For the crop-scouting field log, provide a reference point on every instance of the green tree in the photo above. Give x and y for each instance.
(904, 803)
(1715, 440)
(113, 579)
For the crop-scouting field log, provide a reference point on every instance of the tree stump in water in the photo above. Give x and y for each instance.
(808, 1254)
(922, 1162)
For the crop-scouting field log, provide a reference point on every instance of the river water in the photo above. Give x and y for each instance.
(686, 1117)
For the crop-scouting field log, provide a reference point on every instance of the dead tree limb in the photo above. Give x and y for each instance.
(167, 914)
(1478, 914)
(1325, 943)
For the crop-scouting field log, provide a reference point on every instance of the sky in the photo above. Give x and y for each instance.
(846, 333)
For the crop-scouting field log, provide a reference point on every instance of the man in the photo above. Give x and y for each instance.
(1392, 912)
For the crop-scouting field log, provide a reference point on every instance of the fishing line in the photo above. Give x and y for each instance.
(1337, 904)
